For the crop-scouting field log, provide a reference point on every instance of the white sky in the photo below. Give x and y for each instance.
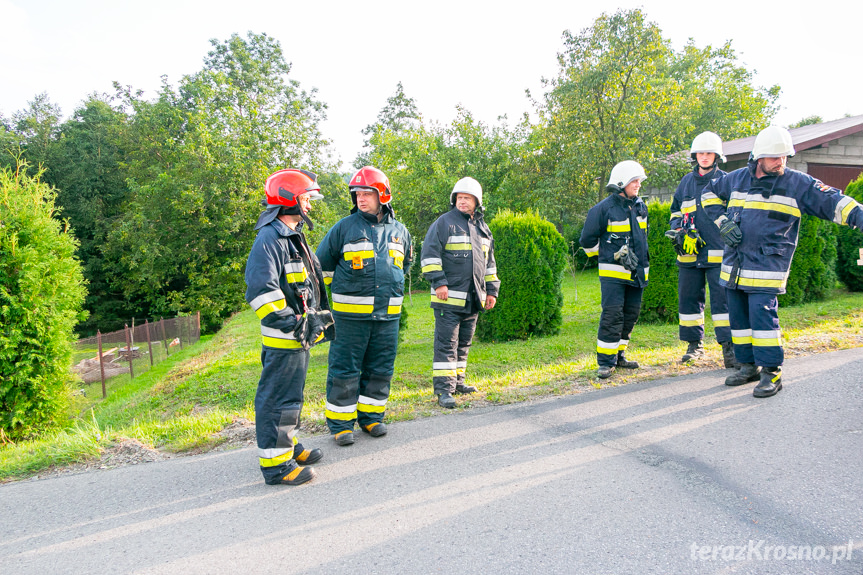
(482, 55)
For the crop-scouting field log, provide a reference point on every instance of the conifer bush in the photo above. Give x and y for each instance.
(531, 256)
(41, 294)
(850, 242)
(813, 269)
(659, 303)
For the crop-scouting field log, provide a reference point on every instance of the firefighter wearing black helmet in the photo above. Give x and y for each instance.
(285, 287)
(615, 231)
(364, 257)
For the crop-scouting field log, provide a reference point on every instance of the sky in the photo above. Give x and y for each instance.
(481, 55)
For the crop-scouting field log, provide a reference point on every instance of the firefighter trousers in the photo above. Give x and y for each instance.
(621, 305)
(755, 328)
(453, 334)
(691, 300)
(361, 362)
(278, 402)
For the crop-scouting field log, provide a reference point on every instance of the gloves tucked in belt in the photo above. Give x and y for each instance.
(676, 237)
(626, 258)
(729, 231)
(692, 241)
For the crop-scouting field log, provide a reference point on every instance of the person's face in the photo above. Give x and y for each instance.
(705, 159)
(368, 201)
(305, 203)
(465, 203)
(631, 189)
(773, 166)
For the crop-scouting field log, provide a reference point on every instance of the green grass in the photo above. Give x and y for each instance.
(180, 403)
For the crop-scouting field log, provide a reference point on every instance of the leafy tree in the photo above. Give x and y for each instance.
(850, 243)
(622, 93)
(198, 158)
(807, 121)
(86, 169)
(41, 290)
(37, 128)
(398, 115)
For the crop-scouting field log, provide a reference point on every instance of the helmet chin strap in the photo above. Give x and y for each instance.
(307, 220)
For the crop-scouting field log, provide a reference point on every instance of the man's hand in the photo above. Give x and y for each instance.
(730, 233)
(442, 293)
(490, 300)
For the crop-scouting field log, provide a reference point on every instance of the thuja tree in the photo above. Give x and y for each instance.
(41, 293)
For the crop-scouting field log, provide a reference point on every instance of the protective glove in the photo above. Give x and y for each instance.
(676, 237)
(626, 258)
(316, 328)
(692, 241)
(301, 331)
(730, 233)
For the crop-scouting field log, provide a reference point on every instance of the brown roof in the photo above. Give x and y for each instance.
(804, 138)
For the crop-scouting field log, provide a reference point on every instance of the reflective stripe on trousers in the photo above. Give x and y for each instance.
(621, 305)
(755, 328)
(691, 301)
(453, 334)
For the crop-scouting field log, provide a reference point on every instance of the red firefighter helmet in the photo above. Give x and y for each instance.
(285, 186)
(369, 177)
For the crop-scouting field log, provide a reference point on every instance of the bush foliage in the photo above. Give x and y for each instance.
(813, 269)
(659, 304)
(850, 244)
(531, 256)
(41, 293)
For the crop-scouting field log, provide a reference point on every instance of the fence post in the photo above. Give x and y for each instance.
(149, 345)
(101, 363)
(180, 322)
(164, 337)
(129, 351)
(198, 322)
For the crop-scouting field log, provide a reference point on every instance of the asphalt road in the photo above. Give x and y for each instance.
(679, 475)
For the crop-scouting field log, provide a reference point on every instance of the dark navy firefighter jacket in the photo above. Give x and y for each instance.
(611, 224)
(687, 209)
(458, 252)
(364, 263)
(768, 212)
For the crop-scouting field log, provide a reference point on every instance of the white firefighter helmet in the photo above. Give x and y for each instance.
(772, 142)
(467, 186)
(708, 142)
(624, 173)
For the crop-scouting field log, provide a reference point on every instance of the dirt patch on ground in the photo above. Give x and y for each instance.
(126, 452)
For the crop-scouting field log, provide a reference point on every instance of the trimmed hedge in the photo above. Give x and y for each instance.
(659, 304)
(850, 242)
(813, 269)
(41, 294)
(531, 256)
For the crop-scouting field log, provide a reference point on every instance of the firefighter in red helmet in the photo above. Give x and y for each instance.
(365, 258)
(285, 287)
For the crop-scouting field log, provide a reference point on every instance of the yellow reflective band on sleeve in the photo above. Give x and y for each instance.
(844, 211)
(592, 252)
(432, 268)
(281, 343)
(675, 215)
(457, 247)
(450, 301)
(491, 278)
(711, 202)
(269, 308)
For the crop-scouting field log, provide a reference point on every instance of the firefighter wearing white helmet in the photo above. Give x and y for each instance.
(458, 261)
(615, 231)
(760, 228)
(699, 252)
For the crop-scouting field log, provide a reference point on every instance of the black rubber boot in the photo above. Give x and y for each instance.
(747, 372)
(770, 384)
(693, 352)
(625, 363)
(296, 475)
(377, 429)
(604, 372)
(462, 388)
(344, 438)
(305, 456)
(728, 355)
(446, 400)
